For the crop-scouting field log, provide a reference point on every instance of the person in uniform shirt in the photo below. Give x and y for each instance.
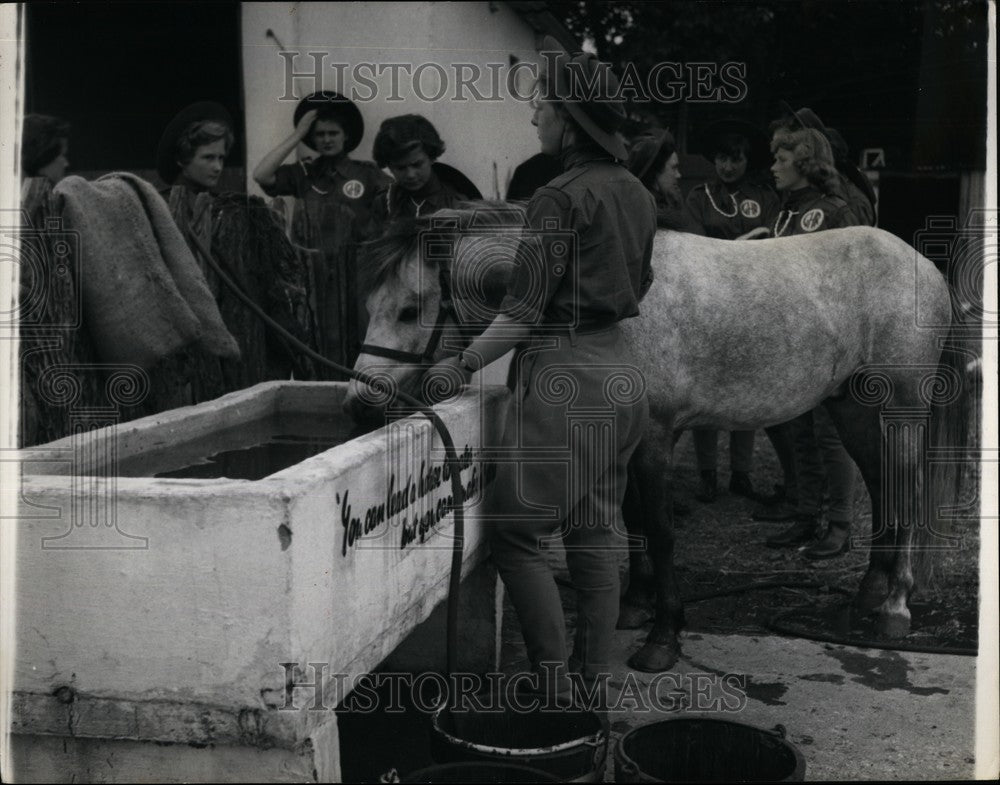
(334, 188)
(805, 175)
(736, 201)
(409, 146)
(854, 186)
(334, 196)
(566, 307)
(193, 147)
(653, 159)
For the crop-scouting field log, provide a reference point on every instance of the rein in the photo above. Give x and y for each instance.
(445, 310)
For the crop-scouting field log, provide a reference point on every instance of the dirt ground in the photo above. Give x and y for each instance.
(721, 550)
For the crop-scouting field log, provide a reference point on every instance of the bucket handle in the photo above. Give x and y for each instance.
(600, 745)
(779, 731)
(628, 766)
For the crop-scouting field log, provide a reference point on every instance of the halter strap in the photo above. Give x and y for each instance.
(445, 310)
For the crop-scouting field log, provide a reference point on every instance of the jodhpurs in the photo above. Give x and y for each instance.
(571, 436)
(706, 448)
(820, 460)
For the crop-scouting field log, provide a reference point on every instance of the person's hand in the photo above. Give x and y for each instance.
(754, 234)
(302, 129)
(443, 380)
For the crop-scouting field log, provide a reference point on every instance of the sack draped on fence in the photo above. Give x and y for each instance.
(144, 296)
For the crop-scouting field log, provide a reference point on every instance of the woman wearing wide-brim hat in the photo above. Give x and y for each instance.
(805, 174)
(194, 145)
(856, 188)
(735, 202)
(333, 211)
(595, 224)
(738, 199)
(653, 159)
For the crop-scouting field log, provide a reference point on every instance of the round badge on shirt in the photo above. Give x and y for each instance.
(750, 208)
(812, 220)
(354, 189)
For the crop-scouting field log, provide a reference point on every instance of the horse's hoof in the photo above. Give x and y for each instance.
(633, 617)
(655, 657)
(892, 625)
(873, 592)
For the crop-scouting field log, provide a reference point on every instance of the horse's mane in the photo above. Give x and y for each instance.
(380, 259)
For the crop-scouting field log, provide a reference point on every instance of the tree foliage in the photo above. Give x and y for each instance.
(860, 65)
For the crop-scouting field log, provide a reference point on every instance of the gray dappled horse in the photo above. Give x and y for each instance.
(733, 336)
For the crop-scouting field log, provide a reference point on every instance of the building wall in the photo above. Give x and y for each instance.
(479, 135)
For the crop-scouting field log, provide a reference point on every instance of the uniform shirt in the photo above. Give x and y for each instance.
(726, 213)
(808, 210)
(353, 184)
(395, 202)
(676, 218)
(587, 259)
(859, 202)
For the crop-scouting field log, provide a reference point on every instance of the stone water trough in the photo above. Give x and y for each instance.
(154, 612)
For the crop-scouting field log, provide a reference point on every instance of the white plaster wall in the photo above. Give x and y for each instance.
(477, 134)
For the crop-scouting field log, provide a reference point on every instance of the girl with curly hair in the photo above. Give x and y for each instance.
(805, 175)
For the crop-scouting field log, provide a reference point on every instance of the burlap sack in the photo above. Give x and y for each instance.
(144, 296)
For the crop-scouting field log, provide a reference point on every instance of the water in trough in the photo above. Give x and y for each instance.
(250, 451)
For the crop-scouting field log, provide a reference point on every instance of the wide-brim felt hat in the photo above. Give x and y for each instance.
(200, 111)
(600, 115)
(759, 154)
(344, 109)
(644, 151)
(807, 118)
(451, 176)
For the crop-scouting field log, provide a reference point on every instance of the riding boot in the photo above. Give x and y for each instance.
(836, 542)
(800, 532)
(784, 510)
(707, 490)
(740, 485)
(779, 495)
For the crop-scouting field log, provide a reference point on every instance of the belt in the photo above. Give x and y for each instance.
(583, 328)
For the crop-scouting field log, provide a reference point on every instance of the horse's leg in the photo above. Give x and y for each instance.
(906, 421)
(636, 608)
(652, 469)
(868, 435)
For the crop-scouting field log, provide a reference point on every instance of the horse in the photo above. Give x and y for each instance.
(732, 336)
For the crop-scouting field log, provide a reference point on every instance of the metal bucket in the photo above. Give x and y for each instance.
(479, 771)
(706, 750)
(570, 745)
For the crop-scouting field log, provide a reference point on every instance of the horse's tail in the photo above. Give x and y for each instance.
(952, 465)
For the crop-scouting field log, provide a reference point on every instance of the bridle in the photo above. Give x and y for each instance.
(446, 309)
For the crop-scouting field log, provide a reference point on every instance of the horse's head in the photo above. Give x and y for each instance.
(431, 284)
